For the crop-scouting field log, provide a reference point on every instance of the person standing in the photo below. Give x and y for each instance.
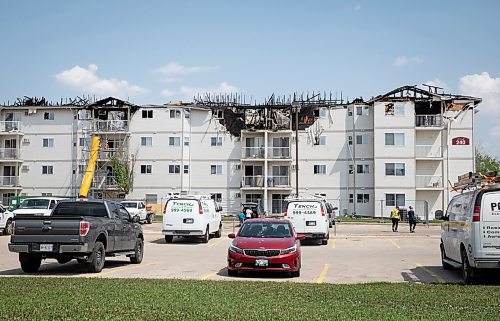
(241, 217)
(395, 219)
(412, 219)
(248, 213)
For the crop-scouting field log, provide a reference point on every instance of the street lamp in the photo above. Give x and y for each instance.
(296, 109)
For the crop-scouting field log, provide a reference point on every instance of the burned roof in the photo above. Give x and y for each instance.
(414, 93)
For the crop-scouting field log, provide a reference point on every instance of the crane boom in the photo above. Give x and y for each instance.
(89, 174)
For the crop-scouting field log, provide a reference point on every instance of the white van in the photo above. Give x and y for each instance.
(470, 233)
(309, 217)
(41, 206)
(191, 216)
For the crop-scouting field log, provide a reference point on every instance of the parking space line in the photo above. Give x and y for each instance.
(437, 277)
(217, 242)
(118, 269)
(333, 243)
(321, 277)
(207, 276)
(394, 243)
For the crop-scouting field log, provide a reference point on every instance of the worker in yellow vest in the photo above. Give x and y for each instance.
(395, 219)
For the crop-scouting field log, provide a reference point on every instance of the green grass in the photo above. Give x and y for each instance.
(140, 299)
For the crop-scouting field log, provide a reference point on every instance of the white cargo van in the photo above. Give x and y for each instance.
(470, 233)
(308, 216)
(191, 216)
(41, 206)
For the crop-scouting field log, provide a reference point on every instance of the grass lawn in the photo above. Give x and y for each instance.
(140, 299)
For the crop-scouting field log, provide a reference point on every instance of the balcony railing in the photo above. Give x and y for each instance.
(428, 121)
(428, 151)
(428, 181)
(10, 126)
(101, 182)
(278, 152)
(111, 126)
(8, 153)
(9, 181)
(278, 181)
(253, 152)
(253, 181)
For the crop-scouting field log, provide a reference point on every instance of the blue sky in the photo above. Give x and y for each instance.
(160, 51)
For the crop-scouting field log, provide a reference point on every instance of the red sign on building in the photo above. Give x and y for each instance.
(460, 141)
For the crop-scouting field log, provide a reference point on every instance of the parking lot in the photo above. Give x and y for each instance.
(355, 254)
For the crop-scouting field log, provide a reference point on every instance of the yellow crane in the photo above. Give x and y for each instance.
(89, 174)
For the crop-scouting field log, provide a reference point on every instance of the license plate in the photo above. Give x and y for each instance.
(261, 263)
(46, 247)
(188, 220)
(310, 223)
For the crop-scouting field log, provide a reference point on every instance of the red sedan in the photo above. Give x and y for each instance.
(265, 245)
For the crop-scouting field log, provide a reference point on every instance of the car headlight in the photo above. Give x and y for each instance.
(289, 250)
(235, 249)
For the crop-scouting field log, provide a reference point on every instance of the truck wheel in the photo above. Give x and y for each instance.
(169, 238)
(149, 218)
(219, 231)
(8, 227)
(97, 258)
(445, 265)
(467, 273)
(29, 263)
(139, 252)
(206, 236)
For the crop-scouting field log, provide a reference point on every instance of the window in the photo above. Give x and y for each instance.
(319, 169)
(392, 109)
(174, 169)
(350, 140)
(151, 198)
(392, 200)
(174, 141)
(146, 141)
(216, 141)
(216, 169)
(186, 169)
(81, 168)
(362, 198)
(47, 194)
(82, 141)
(361, 139)
(394, 139)
(395, 169)
(351, 169)
(147, 113)
(218, 114)
(323, 112)
(146, 169)
(175, 113)
(186, 141)
(351, 198)
(47, 169)
(48, 142)
(363, 169)
(48, 115)
(362, 110)
(349, 112)
(217, 197)
(322, 140)
(253, 198)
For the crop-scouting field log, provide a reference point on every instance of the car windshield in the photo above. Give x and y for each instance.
(129, 204)
(265, 230)
(35, 203)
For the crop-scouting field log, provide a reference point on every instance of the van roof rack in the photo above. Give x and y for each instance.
(315, 196)
(477, 180)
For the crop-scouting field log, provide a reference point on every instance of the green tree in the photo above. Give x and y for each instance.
(486, 162)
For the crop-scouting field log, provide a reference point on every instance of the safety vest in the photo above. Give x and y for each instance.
(395, 214)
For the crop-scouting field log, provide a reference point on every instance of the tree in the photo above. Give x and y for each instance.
(486, 162)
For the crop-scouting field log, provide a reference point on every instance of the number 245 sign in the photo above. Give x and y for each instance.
(460, 141)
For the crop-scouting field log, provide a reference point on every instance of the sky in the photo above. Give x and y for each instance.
(160, 51)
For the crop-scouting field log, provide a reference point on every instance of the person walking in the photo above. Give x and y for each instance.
(395, 219)
(412, 219)
(241, 217)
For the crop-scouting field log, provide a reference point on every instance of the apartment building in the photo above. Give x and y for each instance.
(365, 157)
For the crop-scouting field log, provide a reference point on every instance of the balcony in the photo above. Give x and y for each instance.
(428, 121)
(428, 181)
(278, 181)
(279, 152)
(110, 126)
(10, 126)
(9, 181)
(8, 154)
(104, 182)
(253, 152)
(428, 151)
(252, 181)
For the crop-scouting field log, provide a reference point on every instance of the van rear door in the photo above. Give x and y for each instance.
(490, 222)
(182, 215)
(306, 216)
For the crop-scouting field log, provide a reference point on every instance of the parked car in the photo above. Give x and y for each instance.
(139, 208)
(41, 206)
(470, 232)
(265, 245)
(308, 216)
(192, 216)
(85, 230)
(332, 213)
(6, 219)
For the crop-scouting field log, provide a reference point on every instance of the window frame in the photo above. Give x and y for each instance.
(395, 169)
(47, 169)
(174, 169)
(394, 139)
(395, 201)
(216, 141)
(215, 169)
(174, 141)
(50, 142)
(146, 169)
(319, 169)
(145, 140)
(147, 113)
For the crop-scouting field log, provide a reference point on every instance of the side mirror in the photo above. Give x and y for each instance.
(439, 215)
(231, 235)
(301, 236)
(136, 219)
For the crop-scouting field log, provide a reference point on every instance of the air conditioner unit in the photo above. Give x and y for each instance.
(237, 194)
(25, 168)
(26, 140)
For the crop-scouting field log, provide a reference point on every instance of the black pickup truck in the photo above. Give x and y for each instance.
(81, 229)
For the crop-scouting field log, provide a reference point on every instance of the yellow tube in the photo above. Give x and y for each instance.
(89, 174)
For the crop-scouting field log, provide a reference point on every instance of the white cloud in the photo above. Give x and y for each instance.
(87, 82)
(436, 82)
(357, 7)
(483, 86)
(174, 68)
(168, 93)
(404, 60)
(187, 92)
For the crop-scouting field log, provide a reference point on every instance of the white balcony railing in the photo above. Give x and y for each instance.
(8, 153)
(252, 181)
(428, 151)
(278, 181)
(10, 126)
(428, 121)
(278, 152)
(428, 181)
(111, 126)
(253, 152)
(9, 181)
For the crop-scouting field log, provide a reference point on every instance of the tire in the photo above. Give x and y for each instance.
(29, 263)
(467, 271)
(149, 219)
(445, 265)
(97, 258)
(232, 272)
(330, 224)
(8, 227)
(139, 252)
(295, 274)
(219, 231)
(63, 260)
(169, 238)
(325, 241)
(206, 236)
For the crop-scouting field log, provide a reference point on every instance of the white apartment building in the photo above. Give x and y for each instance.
(397, 149)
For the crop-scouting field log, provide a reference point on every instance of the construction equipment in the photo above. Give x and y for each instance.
(478, 180)
(89, 174)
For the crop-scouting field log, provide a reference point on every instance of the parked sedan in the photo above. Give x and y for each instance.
(265, 245)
